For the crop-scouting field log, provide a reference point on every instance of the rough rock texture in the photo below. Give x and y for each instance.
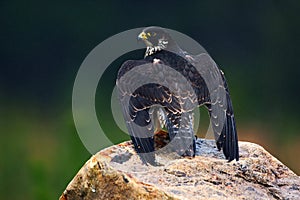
(117, 173)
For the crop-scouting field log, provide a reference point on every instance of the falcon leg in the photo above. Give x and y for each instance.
(181, 133)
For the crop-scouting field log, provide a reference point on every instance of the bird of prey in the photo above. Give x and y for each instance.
(164, 88)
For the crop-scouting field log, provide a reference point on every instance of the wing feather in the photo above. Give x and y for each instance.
(215, 95)
(200, 72)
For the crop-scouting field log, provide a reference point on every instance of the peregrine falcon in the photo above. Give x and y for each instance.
(164, 88)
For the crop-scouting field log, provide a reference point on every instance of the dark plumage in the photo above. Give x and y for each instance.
(169, 84)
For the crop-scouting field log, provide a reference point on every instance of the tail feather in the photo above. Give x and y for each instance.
(228, 140)
(145, 149)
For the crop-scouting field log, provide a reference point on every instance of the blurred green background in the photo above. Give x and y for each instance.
(44, 43)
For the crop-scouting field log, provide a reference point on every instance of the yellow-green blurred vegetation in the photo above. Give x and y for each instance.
(44, 43)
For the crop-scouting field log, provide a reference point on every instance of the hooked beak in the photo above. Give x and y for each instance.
(142, 36)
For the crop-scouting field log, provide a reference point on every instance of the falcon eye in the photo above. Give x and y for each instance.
(154, 34)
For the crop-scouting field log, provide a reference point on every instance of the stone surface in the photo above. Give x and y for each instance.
(118, 173)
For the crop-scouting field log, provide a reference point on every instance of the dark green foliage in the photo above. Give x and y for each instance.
(43, 44)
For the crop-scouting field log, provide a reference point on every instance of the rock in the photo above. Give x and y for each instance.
(118, 173)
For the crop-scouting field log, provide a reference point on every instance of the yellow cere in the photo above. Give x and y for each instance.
(144, 36)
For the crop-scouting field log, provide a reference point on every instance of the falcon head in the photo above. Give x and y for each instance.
(155, 38)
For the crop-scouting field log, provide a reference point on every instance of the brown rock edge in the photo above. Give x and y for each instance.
(117, 173)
